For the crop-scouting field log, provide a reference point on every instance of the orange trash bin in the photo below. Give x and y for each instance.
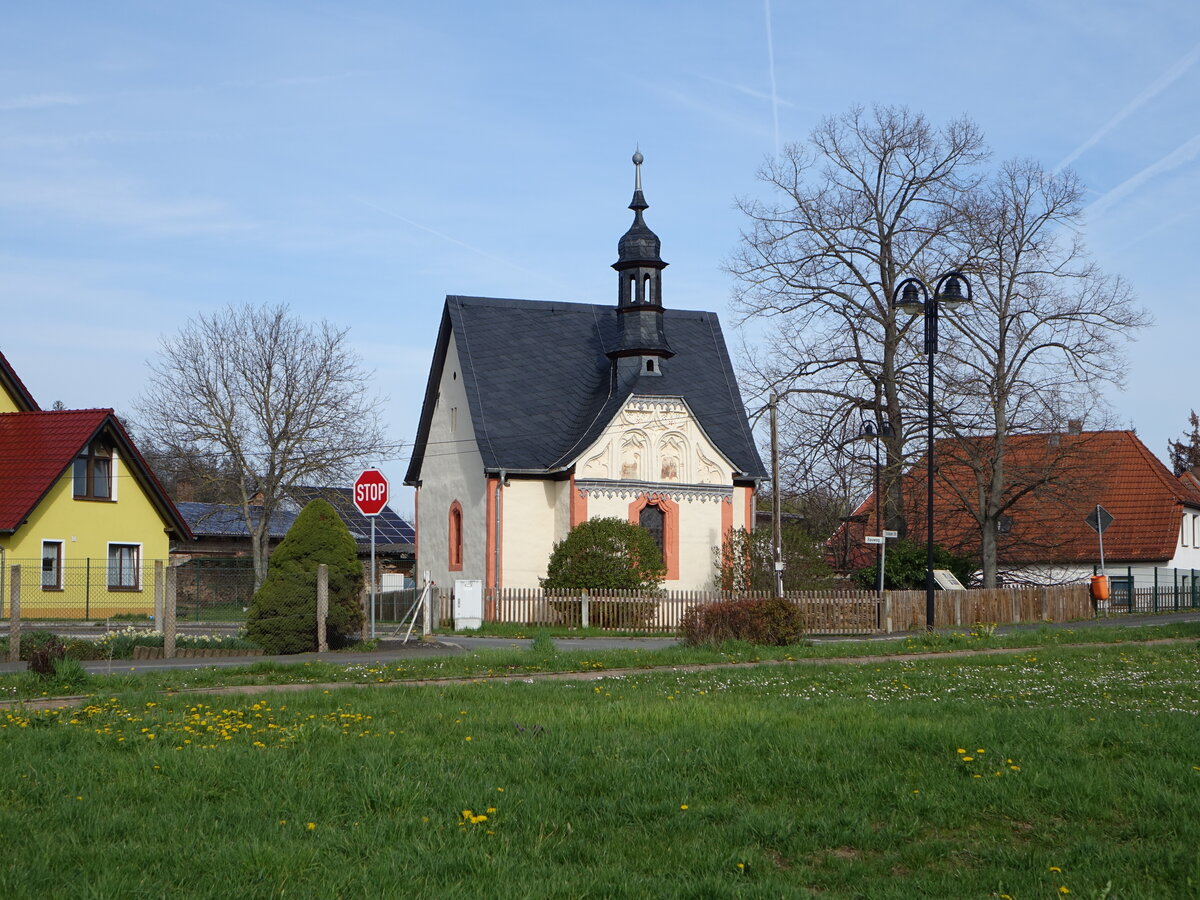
(1099, 587)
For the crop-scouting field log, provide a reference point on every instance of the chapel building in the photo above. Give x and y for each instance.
(539, 415)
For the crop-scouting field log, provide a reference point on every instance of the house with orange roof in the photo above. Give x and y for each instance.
(1055, 482)
(81, 512)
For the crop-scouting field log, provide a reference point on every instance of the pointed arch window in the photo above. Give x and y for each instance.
(659, 515)
(455, 535)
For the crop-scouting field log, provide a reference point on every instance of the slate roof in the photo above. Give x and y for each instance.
(1110, 468)
(37, 447)
(541, 389)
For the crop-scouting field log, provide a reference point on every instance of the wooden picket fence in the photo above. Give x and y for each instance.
(833, 612)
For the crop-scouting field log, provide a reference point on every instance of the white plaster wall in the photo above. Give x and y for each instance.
(699, 533)
(1187, 542)
(531, 512)
(451, 470)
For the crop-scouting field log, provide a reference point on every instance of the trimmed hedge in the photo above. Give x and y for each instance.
(772, 621)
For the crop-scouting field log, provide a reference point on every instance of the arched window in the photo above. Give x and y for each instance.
(659, 515)
(652, 519)
(456, 537)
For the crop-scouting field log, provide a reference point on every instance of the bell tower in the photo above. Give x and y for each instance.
(639, 288)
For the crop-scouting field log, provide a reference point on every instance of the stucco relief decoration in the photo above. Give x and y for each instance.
(597, 465)
(710, 469)
(633, 453)
(653, 415)
(672, 451)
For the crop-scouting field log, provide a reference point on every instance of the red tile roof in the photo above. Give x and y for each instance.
(36, 448)
(1110, 468)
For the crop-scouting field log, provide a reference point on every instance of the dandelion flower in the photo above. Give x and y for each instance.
(967, 758)
(1063, 889)
(961, 750)
(683, 806)
(1055, 869)
(467, 738)
(311, 826)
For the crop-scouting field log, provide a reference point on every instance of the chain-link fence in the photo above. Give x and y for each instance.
(214, 590)
(117, 587)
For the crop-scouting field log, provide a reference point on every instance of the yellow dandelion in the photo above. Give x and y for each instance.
(1055, 869)
(683, 806)
(1063, 889)
(311, 826)
(961, 750)
(967, 758)
(468, 737)
(741, 867)
(916, 792)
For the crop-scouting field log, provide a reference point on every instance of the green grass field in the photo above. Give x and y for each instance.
(1024, 775)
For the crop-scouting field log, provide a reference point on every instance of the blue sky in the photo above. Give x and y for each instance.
(361, 160)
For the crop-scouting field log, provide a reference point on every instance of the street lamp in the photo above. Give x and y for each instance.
(871, 433)
(912, 295)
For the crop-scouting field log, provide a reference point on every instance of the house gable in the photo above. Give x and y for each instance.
(14, 396)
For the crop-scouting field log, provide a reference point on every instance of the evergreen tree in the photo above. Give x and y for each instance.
(283, 613)
(1185, 452)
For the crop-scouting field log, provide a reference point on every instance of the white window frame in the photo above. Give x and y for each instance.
(137, 567)
(58, 574)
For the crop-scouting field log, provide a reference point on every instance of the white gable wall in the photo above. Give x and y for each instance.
(451, 470)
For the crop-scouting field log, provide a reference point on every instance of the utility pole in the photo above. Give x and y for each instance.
(776, 531)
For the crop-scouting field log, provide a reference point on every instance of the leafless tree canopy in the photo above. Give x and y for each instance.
(267, 401)
(865, 203)
(871, 199)
(1045, 333)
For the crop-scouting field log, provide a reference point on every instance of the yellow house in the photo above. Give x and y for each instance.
(80, 510)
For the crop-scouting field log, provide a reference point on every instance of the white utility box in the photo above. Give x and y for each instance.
(468, 603)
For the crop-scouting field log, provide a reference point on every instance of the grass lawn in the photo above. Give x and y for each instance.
(1025, 775)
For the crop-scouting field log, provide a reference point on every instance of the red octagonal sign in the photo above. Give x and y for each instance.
(371, 492)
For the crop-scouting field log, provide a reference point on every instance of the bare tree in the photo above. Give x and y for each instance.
(869, 200)
(1044, 335)
(270, 400)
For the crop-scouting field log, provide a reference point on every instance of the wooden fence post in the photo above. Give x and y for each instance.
(887, 611)
(168, 625)
(158, 594)
(322, 607)
(14, 617)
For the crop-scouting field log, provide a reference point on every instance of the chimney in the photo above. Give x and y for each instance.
(1075, 426)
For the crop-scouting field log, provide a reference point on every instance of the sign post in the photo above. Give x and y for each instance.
(1099, 519)
(371, 496)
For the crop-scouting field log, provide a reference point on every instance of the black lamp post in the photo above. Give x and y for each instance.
(871, 433)
(912, 295)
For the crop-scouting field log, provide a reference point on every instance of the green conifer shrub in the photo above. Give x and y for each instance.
(283, 612)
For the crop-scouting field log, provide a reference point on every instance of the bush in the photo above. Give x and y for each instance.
(771, 621)
(283, 612)
(45, 651)
(904, 569)
(605, 554)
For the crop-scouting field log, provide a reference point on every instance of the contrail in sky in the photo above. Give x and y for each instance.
(1184, 153)
(1163, 81)
(453, 240)
(771, 66)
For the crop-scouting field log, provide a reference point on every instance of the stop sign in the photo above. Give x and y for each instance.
(371, 492)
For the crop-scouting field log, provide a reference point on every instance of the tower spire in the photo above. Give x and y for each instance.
(639, 284)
